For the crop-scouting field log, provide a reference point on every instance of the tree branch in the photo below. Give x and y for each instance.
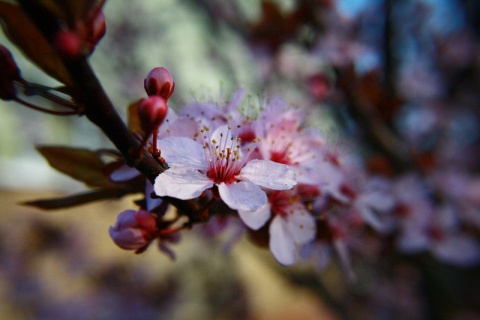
(88, 92)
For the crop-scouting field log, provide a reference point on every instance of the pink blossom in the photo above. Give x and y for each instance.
(292, 224)
(134, 230)
(220, 162)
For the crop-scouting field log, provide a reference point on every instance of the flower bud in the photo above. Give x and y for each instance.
(96, 29)
(319, 86)
(159, 82)
(134, 230)
(8, 74)
(152, 111)
(68, 44)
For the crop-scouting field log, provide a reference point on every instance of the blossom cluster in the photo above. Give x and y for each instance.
(293, 185)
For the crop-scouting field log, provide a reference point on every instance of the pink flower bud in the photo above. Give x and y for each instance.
(96, 29)
(319, 86)
(68, 44)
(8, 74)
(134, 230)
(159, 82)
(152, 112)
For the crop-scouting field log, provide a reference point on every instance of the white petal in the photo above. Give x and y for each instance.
(223, 136)
(344, 256)
(413, 241)
(281, 244)
(124, 173)
(301, 224)
(181, 183)
(242, 195)
(151, 203)
(268, 174)
(182, 152)
(255, 219)
(460, 250)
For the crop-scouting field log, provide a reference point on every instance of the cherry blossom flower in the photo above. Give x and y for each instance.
(292, 225)
(219, 164)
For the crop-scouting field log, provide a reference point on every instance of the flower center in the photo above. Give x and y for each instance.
(281, 202)
(223, 152)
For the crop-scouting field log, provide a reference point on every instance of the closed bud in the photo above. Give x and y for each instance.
(96, 29)
(159, 82)
(319, 86)
(152, 111)
(8, 74)
(68, 44)
(134, 230)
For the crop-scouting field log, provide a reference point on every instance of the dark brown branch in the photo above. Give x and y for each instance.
(89, 93)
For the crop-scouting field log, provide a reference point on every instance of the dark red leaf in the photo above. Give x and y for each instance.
(22, 32)
(80, 164)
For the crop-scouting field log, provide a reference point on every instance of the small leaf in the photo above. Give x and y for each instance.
(134, 119)
(80, 198)
(80, 164)
(22, 32)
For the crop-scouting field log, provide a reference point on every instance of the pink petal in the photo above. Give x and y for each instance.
(255, 219)
(183, 152)
(242, 195)
(281, 244)
(181, 183)
(268, 174)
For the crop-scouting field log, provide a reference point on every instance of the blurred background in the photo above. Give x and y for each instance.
(359, 66)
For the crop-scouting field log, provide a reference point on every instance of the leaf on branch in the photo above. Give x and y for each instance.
(80, 198)
(23, 32)
(134, 119)
(80, 164)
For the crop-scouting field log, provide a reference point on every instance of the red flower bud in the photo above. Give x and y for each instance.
(68, 43)
(319, 86)
(152, 111)
(96, 29)
(159, 82)
(8, 74)
(134, 230)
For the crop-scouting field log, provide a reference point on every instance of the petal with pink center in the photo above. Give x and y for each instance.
(255, 219)
(268, 174)
(181, 183)
(183, 152)
(281, 243)
(301, 224)
(242, 195)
